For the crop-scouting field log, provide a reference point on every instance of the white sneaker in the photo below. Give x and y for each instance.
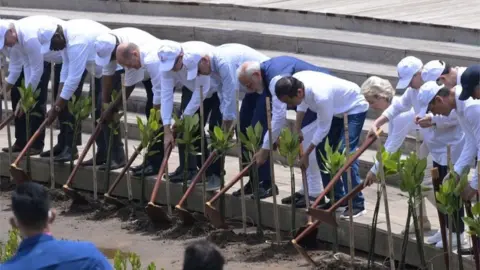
(454, 239)
(213, 183)
(437, 237)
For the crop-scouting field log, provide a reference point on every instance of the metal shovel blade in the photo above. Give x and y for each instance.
(323, 216)
(214, 216)
(156, 213)
(309, 240)
(304, 253)
(186, 217)
(19, 174)
(114, 201)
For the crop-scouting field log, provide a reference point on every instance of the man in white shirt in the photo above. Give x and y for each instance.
(27, 63)
(330, 97)
(75, 39)
(143, 57)
(223, 65)
(179, 65)
(106, 57)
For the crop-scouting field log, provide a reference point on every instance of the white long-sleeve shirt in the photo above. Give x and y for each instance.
(224, 63)
(140, 38)
(171, 78)
(26, 53)
(329, 96)
(79, 54)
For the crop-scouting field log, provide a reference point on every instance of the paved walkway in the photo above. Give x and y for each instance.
(442, 12)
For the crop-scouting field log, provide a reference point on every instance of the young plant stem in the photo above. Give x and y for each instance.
(349, 184)
(419, 240)
(422, 214)
(185, 168)
(3, 63)
(240, 167)
(272, 171)
(142, 177)
(222, 184)
(334, 228)
(256, 193)
(202, 149)
(459, 242)
(52, 164)
(401, 265)
(371, 253)
(292, 204)
(109, 155)
(27, 121)
(74, 142)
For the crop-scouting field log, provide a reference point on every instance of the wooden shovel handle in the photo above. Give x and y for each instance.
(366, 144)
(124, 169)
(92, 139)
(7, 121)
(30, 142)
(231, 183)
(197, 178)
(160, 173)
(347, 197)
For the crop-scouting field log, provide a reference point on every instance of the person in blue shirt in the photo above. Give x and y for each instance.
(38, 249)
(259, 79)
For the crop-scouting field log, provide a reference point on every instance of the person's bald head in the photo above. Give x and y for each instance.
(250, 76)
(128, 55)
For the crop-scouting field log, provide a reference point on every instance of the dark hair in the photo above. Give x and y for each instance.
(447, 68)
(288, 86)
(202, 255)
(30, 205)
(131, 47)
(443, 92)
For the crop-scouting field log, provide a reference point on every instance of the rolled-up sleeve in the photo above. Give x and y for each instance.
(34, 62)
(166, 98)
(471, 127)
(229, 86)
(403, 104)
(15, 65)
(78, 57)
(445, 121)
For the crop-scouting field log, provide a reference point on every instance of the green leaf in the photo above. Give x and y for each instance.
(218, 133)
(258, 130)
(36, 114)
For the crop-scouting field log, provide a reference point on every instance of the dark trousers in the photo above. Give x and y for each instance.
(156, 159)
(253, 111)
(336, 136)
(211, 111)
(117, 152)
(65, 137)
(443, 171)
(40, 109)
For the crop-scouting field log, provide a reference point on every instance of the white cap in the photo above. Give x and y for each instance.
(426, 94)
(191, 60)
(45, 35)
(168, 53)
(433, 70)
(104, 45)
(406, 69)
(5, 25)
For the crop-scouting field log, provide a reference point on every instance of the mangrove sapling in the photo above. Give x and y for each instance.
(412, 172)
(8, 250)
(149, 135)
(472, 220)
(450, 203)
(221, 143)
(28, 101)
(333, 160)
(389, 163)
(125, 261)
(80, 109)
(252, 141)
(289, 148)
(187, 126)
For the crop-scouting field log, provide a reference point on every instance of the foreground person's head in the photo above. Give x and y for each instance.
(378, 92)
(31, 209)
(203, 255)
(437, 99)
(290, 90)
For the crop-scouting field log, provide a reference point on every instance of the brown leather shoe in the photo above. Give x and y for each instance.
(15, 149)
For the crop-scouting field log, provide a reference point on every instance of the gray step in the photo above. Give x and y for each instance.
(303, 40)
(298, 13)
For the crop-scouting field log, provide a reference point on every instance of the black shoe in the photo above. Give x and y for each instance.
(113, 165)
(100, 160)
(137, 168)
(15, 149)
(149, 170)
(66, 155)
(356, 212)
(301, 203)
(56, 150)
(247, 189)
(178, 173)
(190, 175)
(296, 197)
(34, 151)
(327, 206)
(265, 193)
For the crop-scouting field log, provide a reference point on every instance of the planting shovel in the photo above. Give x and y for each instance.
(212, 213)
(436, 181)
(307, 230)
(155, 212)
(19, 174)
(184, 214)
(3, 63)
(7, 121)
(112, 200)
(476, 255)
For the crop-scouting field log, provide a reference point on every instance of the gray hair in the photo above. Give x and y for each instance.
(375, 87)
(248, 68)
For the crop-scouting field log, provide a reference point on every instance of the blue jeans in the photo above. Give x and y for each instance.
(336, 136)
